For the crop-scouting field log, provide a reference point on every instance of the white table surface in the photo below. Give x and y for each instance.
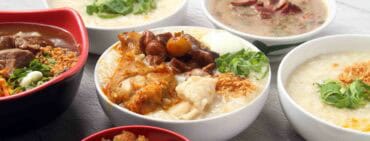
(85, 115)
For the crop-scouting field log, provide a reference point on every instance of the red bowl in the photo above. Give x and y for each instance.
(43, 103)
(150, 132)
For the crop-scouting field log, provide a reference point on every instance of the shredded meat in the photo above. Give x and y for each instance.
(229, 84)
(357, 71)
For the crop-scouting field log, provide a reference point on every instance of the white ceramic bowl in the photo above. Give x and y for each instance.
(101, 37)
(216, 128)
(309, 126)
(330, 4)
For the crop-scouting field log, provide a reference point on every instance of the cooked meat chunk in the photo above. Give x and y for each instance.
(6, 42)
(15, 58)
(164, 37)
(32, 43)
(178, 66)
(154, 47)
(154, 60)
(195, 44)
(203, 57)
(145, 39)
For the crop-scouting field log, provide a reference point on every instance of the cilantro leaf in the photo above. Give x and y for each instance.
(244, 63)
(115, 8)
(353, 96)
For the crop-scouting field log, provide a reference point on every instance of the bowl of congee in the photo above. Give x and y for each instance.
(324, 88)
(274, 26)
(104, 19)
(191, 80)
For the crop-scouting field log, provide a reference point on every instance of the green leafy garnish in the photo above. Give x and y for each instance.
(115, 8)
(244, 63)
(355, 95)
(18, 74)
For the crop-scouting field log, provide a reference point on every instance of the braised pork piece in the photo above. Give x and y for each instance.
(270, 17)
(32, 54)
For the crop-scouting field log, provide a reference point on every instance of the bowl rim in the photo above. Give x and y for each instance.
(148, 118)
(180, 7)
(284, 93)
(105, 131)
(330, 5)
(83, 48)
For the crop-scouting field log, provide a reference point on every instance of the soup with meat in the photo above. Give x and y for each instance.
(182, 75)
(32, 54)
(270, 17)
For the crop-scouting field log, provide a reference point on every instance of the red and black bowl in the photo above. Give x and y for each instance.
(38, 106)
(150, 132)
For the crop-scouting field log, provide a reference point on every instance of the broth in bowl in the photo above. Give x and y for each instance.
(335, 87)
(184, 75)
(273, 18)
(32, 54)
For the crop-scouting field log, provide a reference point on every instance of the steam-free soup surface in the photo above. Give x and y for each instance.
(264, 18)
(58, 36)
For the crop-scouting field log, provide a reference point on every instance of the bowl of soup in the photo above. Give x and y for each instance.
(279, 24)
(324, 88)
(106, 18)
(186, 79)
(136, 133)
(42, 55)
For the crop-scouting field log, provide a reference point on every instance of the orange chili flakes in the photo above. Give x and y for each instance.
(63, 58)
(232, 85)
(357, 71)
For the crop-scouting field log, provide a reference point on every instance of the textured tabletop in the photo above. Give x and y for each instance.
(85, 116)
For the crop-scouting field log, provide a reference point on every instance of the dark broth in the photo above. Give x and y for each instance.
(58, 36)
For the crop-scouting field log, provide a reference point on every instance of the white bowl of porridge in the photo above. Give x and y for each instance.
(191, 80)
(103, 24)
(272, 22)
(324, 86)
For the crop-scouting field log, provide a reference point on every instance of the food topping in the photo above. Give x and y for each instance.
(127, 136)
(182, 51)
(357, 71)
(229, 84)
(115, 8)
(353, 89)
(352, 96)
(267, 8)
(178, 46)
(244, 63)
(361, 124)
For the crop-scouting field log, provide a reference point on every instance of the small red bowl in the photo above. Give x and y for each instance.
(150, 132)
(43, 103)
